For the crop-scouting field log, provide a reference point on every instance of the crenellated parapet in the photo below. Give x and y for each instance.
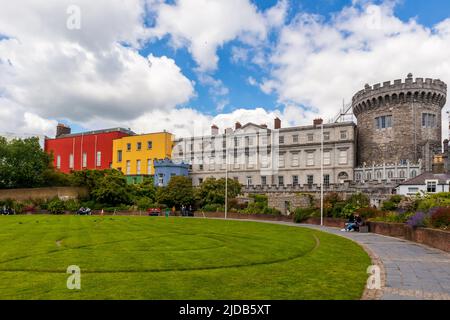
(429, 91)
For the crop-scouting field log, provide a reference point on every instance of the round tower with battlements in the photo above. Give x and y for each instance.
(400, 121)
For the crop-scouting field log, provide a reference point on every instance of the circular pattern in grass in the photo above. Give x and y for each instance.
(175, 258)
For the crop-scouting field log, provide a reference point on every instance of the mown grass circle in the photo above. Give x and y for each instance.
(175, 258)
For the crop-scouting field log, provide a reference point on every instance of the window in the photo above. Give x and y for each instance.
(295, 138)
(58, 162)
(139, 146)
(160, 179)
(428, 120)
(264, 140)
(343, 157)
(128, 146)
(281, 139)
(378, 175)
(343, 176)
(326, 158)
(84, 159)
(413, 190)
(224, 143)
(71, 162)
(326, 136)
(200, 166)
(281, 160)
(358, 176)
(99, 159)
(402, 174)
(310, 159)
(200, 180)
(249, 181)
(294, 180)
(263, 180)
(119, 155)
(280, 180)
(138, 166)
(310, 180)
(236, 142)
(326, 179)
(413, 174)
(128, 167)
(431, 186)
(149, 166)
(369, 176)
(390, 174)
(310, 137)
(343, 135)
(295, 160)
(383, 122)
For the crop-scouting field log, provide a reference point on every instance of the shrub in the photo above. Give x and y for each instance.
(396, 198)
(419, 219)
(143, 203)
(18, 207)
(56, 206)
(301, 214)
(367, 213)
(213, 207)
(440, 217)
(336, 212)
(72, 205)
(272, 211)
(389, 206)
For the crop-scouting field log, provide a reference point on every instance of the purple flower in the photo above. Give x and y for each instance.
(417, 220)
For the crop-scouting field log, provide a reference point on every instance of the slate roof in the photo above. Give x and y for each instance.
(420, 179)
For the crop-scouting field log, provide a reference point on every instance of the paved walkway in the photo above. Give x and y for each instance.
(411, 270)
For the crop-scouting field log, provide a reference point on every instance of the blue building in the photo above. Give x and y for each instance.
(165, 169)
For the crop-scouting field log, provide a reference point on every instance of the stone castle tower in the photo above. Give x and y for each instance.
(400, 122)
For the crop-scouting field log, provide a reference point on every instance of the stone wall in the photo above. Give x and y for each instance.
(235, 215)
(287, 202)
(63, 193)
(407, 139)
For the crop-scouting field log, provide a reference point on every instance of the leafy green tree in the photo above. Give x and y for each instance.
(111, 189)
(146, 190)
(178, 192)
(23, 163)
(212, 191)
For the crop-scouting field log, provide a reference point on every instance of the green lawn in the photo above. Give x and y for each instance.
(175, 258)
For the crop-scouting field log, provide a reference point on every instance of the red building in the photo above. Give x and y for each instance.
(86, 150)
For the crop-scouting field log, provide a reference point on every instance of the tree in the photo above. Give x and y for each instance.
(23, 164)
(178, 192)
(212, 191)
(111, 189)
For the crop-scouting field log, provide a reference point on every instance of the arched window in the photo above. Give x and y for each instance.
(369, 176)
(402, 174)
(358, 176)
(413, 174)
(342, 177)
(390, 174)
(378, 174)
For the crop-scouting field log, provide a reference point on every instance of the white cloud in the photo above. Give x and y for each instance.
(318, 63)
(53, 72)
(205, 25)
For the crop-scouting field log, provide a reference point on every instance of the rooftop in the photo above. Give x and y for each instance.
(123, 130)
(420, 179)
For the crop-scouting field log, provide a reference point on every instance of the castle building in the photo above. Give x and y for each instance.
(85, 150)
(134, 154)
(257, 155)
(399, 122)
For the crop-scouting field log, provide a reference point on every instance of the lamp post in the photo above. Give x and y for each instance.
(226, 174)
(321, 175)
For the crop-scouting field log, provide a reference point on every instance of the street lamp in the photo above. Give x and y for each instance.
(321, 176)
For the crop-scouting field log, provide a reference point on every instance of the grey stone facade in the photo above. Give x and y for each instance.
(399, 122)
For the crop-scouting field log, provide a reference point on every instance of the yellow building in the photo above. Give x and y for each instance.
(134, 155)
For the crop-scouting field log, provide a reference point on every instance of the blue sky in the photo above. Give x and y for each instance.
(234, 75)
(211, 61)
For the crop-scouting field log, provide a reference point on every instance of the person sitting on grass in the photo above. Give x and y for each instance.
(353, 223)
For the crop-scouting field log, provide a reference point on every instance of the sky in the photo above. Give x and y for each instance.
(183, 65)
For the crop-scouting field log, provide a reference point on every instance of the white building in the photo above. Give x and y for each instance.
(426, 183)
(257, 155)
(11, 136)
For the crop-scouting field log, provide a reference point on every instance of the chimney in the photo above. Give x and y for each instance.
(277, 123)
(318, 122)
(238, 125)
(62, 129)
(214, 130)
